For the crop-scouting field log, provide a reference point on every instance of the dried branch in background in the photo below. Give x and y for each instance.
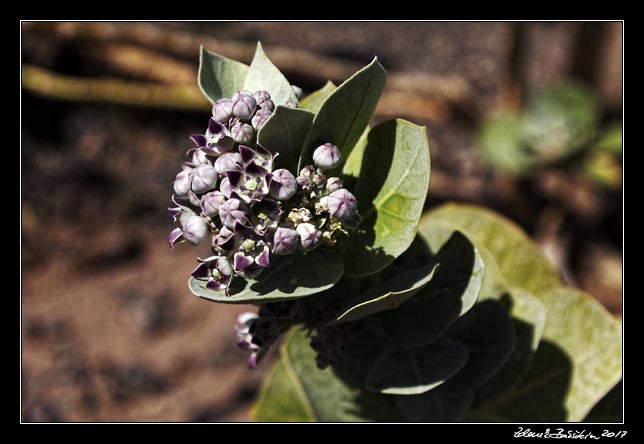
(43, 82)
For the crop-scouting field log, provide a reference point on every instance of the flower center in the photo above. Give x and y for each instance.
(248, 244)
(216, 274)
(251, 184)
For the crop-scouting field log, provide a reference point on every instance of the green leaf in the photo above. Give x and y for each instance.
(559, 122)
(289, 277)
(219, 76)
(578, 361)
(391, 293)
(391, 194)
(488, 334)
(263, 75)
(388, 295)
(610, 139)
(353, 164)
(298, 390)
(529, 318)
(282, 398)
(284, 132)
(313, 102)
(511, 259)
(411, 371)
(450, 294)
(346, 112)
(502, 144)
(438, 405)
(579, 357)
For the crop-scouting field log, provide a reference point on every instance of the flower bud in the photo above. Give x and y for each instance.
(260, 117)
(204, 178)
(199, 157)
(233, 214)
(195, 230)
(297, 91)
(223, 110)
(244, 106)
(333, 184)
(319, 180)
(242, 92)
(305, 177)
(242, 133)
(327, 156)
(292, 104)
(283, 186)
(285, 240)
(181, 183)
(225, 187)
(261, 96)
(211, 202)
(227, 161)
(342, 204)
(310, 237)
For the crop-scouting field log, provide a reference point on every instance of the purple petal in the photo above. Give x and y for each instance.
(241, 262)
(199, 140)
(235, 177)
(254, 170)
(201, 271)
(214, 284)
(263, 259)
(174, 213)
(215, 127)
(174, 237)
(247, 154)
(263, 151)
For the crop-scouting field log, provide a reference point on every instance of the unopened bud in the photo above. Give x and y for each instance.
(342, 204)
(242, 133)
(195, 229)
(244, 106)
(283, 185)
(310, 236)
(285, 240)
(211, 202)
(327, 156)
(333, 184)
(204, 178)
(223, 110)
(226, 162)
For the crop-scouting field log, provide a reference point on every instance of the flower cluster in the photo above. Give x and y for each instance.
(230, 194)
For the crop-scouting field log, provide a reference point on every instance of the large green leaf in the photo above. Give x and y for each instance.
(353, 164)
(578, 361)
(438, 405)
(313, 102)
(391, 194)
(391, 293)
(263, 75)
(579, 358)
(488, 334)
(346, 112)
(297, 390)
(411, 371)
(511, 259)
(450, 294)
(284, 133)
(282, 397)
(289, 277)
(528, 317)
(218, 76)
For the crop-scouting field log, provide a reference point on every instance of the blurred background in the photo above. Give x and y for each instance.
(524, 118)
